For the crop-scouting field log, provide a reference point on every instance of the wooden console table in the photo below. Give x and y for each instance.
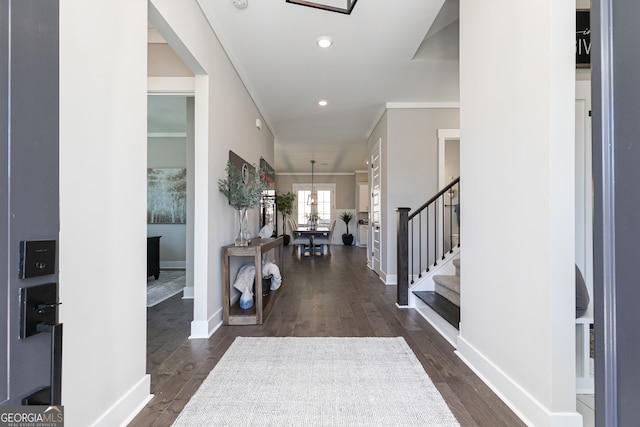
(233, 314)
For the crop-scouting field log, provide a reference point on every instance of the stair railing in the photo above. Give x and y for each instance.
(425, 236)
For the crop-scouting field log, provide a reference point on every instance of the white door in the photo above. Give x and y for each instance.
(375, 206)
(584, 188)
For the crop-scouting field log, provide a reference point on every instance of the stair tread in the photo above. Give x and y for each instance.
(451, 282)
(445, 308)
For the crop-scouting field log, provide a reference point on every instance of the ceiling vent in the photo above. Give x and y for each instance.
(340, 6)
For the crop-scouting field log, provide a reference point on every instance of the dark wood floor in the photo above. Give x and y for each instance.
(320, 296)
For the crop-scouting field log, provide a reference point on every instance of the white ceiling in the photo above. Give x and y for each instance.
(386, 51)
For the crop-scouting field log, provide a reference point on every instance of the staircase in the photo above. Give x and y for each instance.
(445, 298)
(428, 266)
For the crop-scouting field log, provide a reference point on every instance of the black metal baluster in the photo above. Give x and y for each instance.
(451, 221)
(420, 245)
(428, 262)
(435, 233)
(443, 226)
(412, 244)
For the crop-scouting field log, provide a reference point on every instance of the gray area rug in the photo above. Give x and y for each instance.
(169, 283)
(317, 382)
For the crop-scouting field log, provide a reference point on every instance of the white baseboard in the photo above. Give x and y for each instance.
(127, 407)
(188, 292)
(520, 401)
(206, 328)
(443, 327)
(173, 265)
(389, 279)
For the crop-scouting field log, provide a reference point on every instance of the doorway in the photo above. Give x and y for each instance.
(448, 170)
(170, 147)
(376, 180)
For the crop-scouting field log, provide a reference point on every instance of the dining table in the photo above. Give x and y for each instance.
(311, 233)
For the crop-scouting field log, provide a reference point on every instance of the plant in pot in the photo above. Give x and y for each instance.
(243, 188)
(284, 204)
(347, 238)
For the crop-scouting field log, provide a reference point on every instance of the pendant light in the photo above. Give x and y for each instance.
(313, 197)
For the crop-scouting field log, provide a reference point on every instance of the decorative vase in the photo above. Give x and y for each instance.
(246, 299)
(243, 233)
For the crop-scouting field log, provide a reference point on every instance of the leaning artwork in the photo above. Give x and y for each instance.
(166, 196)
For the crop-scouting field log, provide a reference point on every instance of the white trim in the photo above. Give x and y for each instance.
(435, 105)
(188, 292)
(128, 406)
(166, 135)
(443, 327)
(444, 135)
(173, 265)
(204, 329)
(171, 85)
(520, 401)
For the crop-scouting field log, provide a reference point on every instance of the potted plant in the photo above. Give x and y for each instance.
(243, 188)
(284, 204)
(347, 238)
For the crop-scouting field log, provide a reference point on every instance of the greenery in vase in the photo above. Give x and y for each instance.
(346, 216)
(313, 217)
(284, 204)
(242, 194)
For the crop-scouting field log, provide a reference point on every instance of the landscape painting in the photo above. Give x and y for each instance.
(167, 196)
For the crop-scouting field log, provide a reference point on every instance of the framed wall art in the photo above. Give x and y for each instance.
(167, 196)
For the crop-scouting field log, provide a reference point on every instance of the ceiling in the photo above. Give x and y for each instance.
(385, 51)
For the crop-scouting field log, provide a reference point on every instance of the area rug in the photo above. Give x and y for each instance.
(317, 382)
(169, 283)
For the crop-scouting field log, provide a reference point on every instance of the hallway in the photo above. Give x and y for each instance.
(320, 296)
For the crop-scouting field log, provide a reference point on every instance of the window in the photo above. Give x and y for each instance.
(326, 197)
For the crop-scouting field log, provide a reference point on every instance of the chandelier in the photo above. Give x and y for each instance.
(313, 197)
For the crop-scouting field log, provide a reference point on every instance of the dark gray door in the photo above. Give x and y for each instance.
(28, 177)
(616, 158)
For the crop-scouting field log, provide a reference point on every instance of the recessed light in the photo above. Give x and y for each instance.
(324, 41)
(322, 102)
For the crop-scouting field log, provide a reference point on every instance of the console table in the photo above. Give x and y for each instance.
(255, 315)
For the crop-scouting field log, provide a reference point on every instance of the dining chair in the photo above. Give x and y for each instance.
(297, 240)
(326, 239)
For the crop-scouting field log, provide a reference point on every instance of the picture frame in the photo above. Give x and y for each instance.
(583, 38)
(166, 196)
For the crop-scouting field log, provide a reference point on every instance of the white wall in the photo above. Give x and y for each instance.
(225, 118)
(103, 233)
(517, 147)
(409, 167)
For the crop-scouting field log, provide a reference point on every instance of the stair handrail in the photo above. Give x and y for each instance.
(405, 264)
(434, 198)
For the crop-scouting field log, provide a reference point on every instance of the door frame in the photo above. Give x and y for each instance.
(444, 136)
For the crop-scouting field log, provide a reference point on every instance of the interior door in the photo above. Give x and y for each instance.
(29, 184)
(376, 180)
(584, 187)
